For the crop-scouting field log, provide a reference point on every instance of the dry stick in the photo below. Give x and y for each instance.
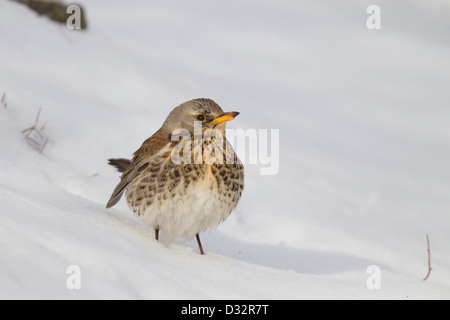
(34, 128)
(4, 99)
(429, 258)
(43, 145)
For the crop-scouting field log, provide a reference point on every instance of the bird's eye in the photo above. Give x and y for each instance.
(201, 117)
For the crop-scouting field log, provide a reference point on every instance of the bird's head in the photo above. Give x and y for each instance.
(204, 111)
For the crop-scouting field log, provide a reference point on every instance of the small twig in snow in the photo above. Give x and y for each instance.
(4, 100)
(429, 258)
(34, 128)
(43, 145)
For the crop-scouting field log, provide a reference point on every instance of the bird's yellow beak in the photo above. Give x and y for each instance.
(227, 116)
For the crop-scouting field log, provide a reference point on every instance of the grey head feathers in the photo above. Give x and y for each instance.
(184, 116)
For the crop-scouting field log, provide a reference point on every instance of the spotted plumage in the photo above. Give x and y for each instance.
(183, 198)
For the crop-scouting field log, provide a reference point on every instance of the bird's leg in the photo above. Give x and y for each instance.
(199, 244)
(157, 234)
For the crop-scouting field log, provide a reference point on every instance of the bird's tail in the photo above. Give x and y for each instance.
(120, 164)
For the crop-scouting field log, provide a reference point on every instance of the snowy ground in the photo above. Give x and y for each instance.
(364, 148)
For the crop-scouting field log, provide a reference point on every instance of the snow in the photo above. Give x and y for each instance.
(364, 148)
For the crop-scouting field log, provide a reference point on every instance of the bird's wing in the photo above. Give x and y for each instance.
(141, 160)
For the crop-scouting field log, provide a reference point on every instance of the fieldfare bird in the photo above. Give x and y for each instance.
(185, 178)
